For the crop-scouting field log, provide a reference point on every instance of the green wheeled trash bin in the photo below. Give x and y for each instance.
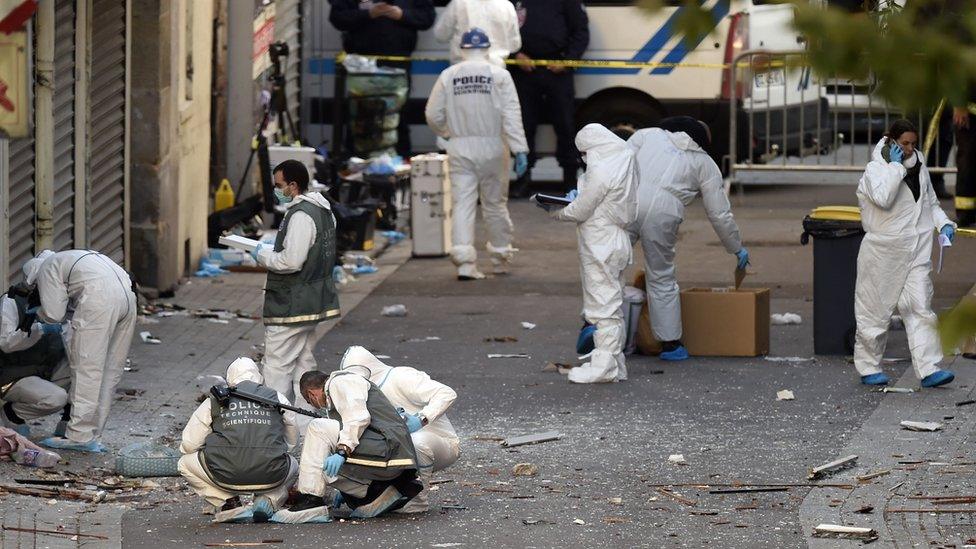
(836, 243)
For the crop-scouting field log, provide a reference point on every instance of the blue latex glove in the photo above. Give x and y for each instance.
(571, 195)
(743, 256)
(895, 153)
(51, 328)
(332, 464)
(413, 423)
(950, 232)
(257, 250)
(521, 164)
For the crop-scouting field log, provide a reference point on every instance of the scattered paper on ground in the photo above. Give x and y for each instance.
(785, 394)
(788, 359)
(514, 355)
(528, 326)
(921, 425)
(677, 459)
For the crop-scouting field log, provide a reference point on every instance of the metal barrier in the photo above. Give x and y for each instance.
(808, 125)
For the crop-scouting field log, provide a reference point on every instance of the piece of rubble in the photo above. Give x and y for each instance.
(398, 310)
(525, 470)
(828, 469)
(921, 425)
(501, 339)
(836, 531)
(677, 459)
(509, 355)
(147, 337)
(537, 438)
(578, 521)
(899, 390)
(528, 326)
(785, 319)
(615, 501)
(785, 394)
(864, 510)
(788, 359)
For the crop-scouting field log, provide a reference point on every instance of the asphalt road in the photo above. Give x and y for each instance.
(721, 414)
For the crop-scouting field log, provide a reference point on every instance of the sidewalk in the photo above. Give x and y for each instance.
(923, 467)
(158, 394)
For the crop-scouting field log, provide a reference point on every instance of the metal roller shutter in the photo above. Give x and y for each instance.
(288, 29)
(107, 130)
(21, 199)
(64, 125)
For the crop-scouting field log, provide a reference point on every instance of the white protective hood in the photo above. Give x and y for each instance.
(610, 162)
(359, 360)
(33, 266)
(314, 197)
(243, 369)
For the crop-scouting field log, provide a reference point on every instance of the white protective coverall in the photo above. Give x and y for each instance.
(31, 397)
(288, 349)
(100, 294)
(437, 444)
(674, 170)
(496, 17)
(196, 431)
(475, 105)
(894, 263)
(606, 205)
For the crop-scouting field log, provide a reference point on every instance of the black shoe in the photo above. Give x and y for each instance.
(521, 187)
(668, 346)
(306, 502)
(232, 503)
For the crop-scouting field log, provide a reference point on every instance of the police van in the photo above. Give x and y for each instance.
(690, 80)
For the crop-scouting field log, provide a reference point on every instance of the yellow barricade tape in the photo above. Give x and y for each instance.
(965, 203)
(578, 63)
(968, 233)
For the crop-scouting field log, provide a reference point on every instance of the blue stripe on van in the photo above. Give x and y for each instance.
(647, 52)
(680, 51)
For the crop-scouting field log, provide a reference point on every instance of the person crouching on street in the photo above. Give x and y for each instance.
(240, 447)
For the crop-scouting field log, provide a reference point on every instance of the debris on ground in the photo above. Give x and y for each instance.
(533, 522)
(147, 337)
(677, 459)
(785, 319)
(487, 438)
(749, 490)
(420, 339)
(528, 326)
(899, 390)
(615, 520)
(510, 355)
(836, 531)
(525, 470)
(615, 501)
(828, 469)
(921, 426)
(676, 497)
(557, 367)
(501, 339)
(538, 438)
(876, 474)
(788, 359)
(74, 536)
(966, 402)
(578, 521)
(785, 394)
(262, 543)
(865, 510)
(398, 310)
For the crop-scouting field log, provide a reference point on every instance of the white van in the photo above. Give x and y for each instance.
(625, 98)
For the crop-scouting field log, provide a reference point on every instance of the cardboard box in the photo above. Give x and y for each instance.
(725, 322)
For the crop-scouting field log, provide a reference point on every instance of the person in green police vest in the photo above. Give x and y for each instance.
(299, 293)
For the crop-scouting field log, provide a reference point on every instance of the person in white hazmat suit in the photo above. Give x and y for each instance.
(605, 206)
(474, 104)
(900, 214)
(99, 293)
(674, 170)
(300, 293)
(424, 403)
(241, 448)
(496, 18)
(34, 373)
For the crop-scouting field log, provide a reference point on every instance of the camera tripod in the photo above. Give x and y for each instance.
(275, 108)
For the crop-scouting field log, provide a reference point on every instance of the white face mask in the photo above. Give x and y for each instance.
(910, 162)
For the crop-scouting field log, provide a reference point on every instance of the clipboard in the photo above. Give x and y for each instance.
(239, 242)
(551, 200)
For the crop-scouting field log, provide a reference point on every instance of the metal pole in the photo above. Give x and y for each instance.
(44, 128)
